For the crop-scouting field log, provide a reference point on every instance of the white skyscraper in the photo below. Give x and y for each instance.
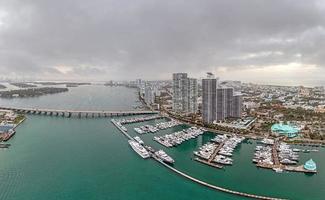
(192, 92)
(149, 95)
(185, 93)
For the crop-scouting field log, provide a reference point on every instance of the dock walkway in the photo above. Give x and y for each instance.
(124, 132)
(215, 187)
(208, 163)
(215, 152)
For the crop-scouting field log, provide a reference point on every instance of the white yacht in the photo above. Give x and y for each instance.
(138, 139)
(139, 149)
(278, 170)
(164, 157)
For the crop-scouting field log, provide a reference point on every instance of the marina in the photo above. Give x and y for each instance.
(33, 146)
(280, 157)
(161, 157)
(138, 119)
(219, 150)
(177, 138)
(120, 123)
(160, 126)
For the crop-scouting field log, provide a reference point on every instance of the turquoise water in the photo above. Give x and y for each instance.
(70, 158)
(90, 97)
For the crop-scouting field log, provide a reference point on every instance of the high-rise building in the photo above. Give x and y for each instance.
(192, 95)
(209, 89)
(218, 103)
(149, 96)
(237, 105)
(185, 93)
(179, 91)
(225, 97)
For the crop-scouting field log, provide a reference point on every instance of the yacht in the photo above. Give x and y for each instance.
(288, 161)
(138, 130)
(164, 157)
(138, 139)
(124, 129)
(278, 170)
(139, 149)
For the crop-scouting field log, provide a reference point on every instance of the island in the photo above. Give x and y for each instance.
(68, 84)
(23, 85)
(32, 92)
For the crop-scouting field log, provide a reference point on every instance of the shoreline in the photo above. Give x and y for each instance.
(304, 142)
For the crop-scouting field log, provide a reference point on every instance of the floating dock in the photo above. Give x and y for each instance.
(215, 152)
(208, 163)
(299, 168)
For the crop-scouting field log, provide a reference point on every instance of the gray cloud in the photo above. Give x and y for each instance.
(124, 39)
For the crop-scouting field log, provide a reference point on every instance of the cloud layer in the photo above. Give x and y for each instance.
(124, 39)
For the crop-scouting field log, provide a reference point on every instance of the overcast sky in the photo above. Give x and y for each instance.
(273, 41)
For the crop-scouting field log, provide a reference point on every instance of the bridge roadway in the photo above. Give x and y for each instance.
(77, 113)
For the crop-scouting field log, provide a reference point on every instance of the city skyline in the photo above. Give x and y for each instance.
(278, 42)
(178, 99)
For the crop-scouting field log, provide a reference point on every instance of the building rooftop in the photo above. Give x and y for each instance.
(285, 129)
(310, 165)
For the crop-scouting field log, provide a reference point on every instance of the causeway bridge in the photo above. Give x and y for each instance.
(77, 113)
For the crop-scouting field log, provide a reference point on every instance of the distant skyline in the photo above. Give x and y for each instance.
(278, 42)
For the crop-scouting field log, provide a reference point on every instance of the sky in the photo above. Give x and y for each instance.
(271, 42)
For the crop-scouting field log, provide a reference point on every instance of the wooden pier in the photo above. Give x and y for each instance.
(208, 163)
(275, 156)
(215, 152)
(299, 168)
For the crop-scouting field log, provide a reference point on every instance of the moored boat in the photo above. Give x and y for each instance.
(139, 149)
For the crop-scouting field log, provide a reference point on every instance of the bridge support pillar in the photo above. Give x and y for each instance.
(69, 114)
(79, 115)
